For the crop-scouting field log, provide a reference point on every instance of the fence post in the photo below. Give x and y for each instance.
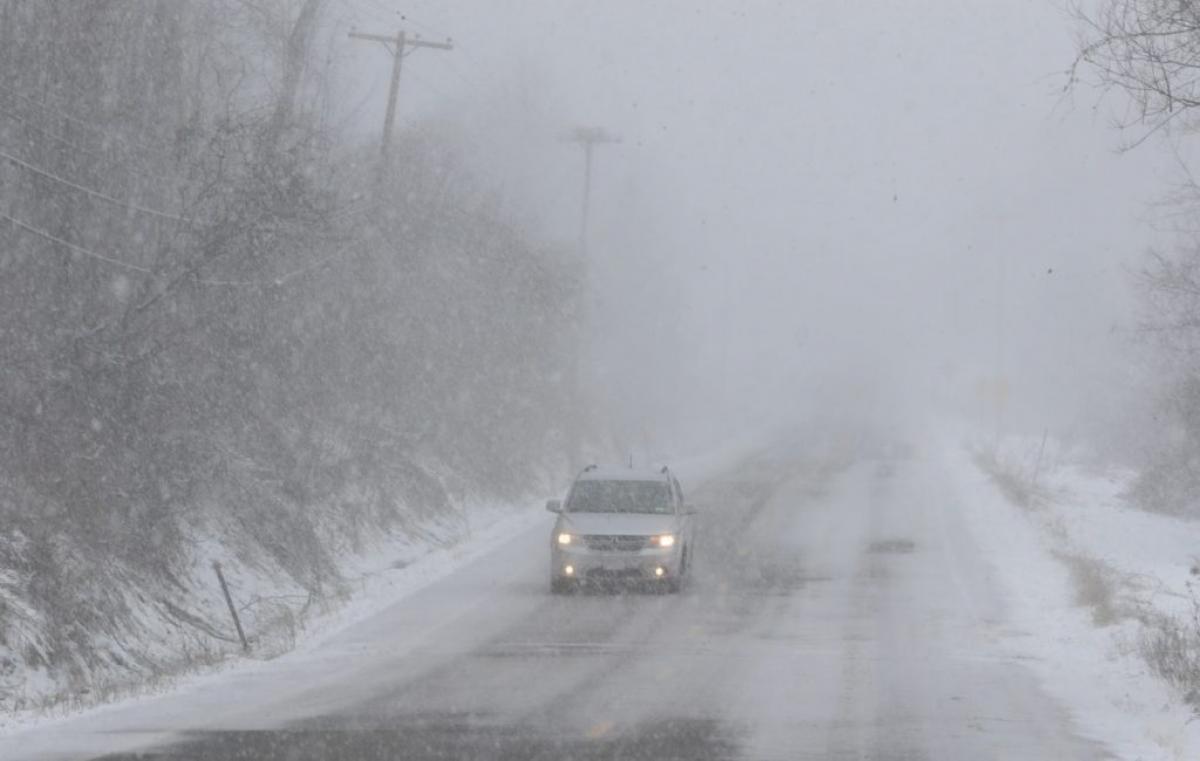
(232, 610)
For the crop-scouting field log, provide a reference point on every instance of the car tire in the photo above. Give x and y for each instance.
(675, 584)
(559, 586)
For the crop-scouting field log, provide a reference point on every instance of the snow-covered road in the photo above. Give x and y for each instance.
(837, 612)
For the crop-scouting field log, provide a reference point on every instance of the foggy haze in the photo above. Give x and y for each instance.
(892, 204)
(599, 379)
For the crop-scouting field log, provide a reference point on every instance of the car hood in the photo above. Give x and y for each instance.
(628, 524)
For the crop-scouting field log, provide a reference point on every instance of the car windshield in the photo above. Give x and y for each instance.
(620, 497)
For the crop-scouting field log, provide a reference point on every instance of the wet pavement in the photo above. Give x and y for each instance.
(836, 612)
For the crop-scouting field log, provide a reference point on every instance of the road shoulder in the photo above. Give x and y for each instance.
(1041, 555)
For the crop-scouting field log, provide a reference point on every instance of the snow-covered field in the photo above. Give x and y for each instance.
(1080, 569)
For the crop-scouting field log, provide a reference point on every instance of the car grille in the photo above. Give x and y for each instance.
(614, 574)
(616, 543)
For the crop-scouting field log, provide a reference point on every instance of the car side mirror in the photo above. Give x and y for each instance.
(554, 505)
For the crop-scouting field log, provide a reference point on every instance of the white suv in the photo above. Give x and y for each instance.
(621, 524)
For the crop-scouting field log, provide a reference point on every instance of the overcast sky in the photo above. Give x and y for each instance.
(874, 206)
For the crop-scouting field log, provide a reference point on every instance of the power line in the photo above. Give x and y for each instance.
(78, 249)
(103, 132)
(35, 103)
(27, 123)
(467, 76)
(396, 47)
(64, 142)
(90, 191)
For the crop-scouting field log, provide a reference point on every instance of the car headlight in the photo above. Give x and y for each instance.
(564, 538)
(663, 541)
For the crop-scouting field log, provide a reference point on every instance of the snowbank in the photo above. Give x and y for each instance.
(163, 646)
(1080, 569)
(374, 575)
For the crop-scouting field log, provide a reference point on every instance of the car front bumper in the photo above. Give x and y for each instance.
(583, 564)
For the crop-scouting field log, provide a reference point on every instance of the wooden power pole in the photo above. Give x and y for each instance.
(399, 46)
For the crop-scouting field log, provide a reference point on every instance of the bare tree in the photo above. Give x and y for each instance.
(193, 280)
(295, 59)
(1150, 51)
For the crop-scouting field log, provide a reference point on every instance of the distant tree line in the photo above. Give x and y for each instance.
(212, 301)
(1148, 51)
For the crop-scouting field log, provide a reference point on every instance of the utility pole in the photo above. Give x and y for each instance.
(588, 138)
(1001, 390)
(399, 47)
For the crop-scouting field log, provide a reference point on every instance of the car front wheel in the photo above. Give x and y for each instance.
(675, 584)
